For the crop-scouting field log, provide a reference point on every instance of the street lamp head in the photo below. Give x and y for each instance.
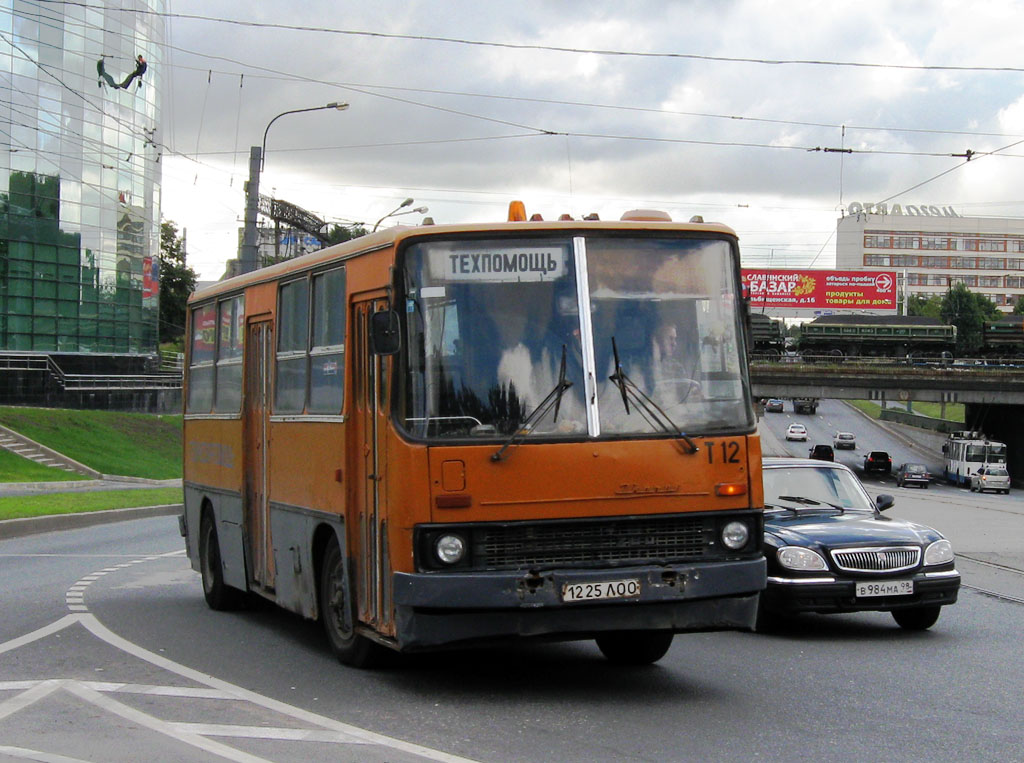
(336, 105)
(420, 210)
(405, 203)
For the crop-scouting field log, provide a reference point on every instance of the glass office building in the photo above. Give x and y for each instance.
(80, 176)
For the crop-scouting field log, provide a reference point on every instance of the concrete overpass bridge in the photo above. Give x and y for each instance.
(993, 396)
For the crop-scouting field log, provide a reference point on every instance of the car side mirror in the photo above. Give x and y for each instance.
(385, 337)
(884, 501)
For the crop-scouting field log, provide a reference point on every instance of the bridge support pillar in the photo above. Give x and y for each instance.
(1004, 423)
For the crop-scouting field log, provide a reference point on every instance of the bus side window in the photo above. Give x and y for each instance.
(231, 325)
(201, 356)
(327, 355)
(292, 339)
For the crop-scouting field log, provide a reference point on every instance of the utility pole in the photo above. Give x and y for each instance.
(248, 262)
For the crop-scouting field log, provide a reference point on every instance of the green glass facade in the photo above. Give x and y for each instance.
(79, 177)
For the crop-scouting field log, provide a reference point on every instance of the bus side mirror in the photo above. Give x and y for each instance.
(385, 338)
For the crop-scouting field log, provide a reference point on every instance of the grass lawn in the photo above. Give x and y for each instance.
(12, 507)
(954, 411)
(15, 468)
(127, 444)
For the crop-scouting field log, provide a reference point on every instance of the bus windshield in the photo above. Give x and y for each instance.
(494, 331)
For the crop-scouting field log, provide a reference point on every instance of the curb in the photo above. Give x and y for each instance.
(17, 528)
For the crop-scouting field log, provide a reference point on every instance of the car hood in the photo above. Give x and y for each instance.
(830, 530)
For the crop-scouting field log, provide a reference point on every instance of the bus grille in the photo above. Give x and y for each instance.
(891, 559)
(503, 547)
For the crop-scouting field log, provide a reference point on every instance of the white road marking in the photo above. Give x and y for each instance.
(267, 732)
(38, 755)
(98, 694)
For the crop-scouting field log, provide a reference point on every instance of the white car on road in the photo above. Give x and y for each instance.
(796, 432)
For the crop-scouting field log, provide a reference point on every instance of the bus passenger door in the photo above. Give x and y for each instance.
(372, 569)
(259, 362)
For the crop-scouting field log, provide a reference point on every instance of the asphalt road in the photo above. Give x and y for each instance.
(108, 652)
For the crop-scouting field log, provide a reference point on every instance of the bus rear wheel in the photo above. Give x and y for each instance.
(338, 614)
(634, 647)
(218, 594)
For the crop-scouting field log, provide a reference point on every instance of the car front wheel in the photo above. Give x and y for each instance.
(916, 618)
(634, 647)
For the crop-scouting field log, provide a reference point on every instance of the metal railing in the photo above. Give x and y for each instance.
(26, 361)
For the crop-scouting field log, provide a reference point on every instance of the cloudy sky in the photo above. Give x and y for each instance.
(719, 108)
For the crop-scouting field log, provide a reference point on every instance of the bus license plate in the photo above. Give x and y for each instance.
(885, 588)
(606, 589)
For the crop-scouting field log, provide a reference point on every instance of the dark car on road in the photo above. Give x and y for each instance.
(913, 474)
(878, 461)
(822, 453)
(830, 549)
(774, 406)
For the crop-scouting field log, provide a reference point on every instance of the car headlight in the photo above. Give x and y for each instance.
(939, 552)
(797, 558)
(735, 535)
(450, 548)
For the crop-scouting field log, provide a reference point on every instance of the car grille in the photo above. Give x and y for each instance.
(890, 559)
(502, 547)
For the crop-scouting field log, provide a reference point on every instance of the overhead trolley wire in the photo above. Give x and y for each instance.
(551, 48)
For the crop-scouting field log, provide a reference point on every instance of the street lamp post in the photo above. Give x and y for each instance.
(395, 212)
(250, 239)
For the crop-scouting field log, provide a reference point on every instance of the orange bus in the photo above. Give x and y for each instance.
(451, 434)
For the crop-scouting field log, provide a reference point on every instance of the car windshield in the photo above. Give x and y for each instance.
(915, 468)
(845, 436)
(997, 472)
(838, 487)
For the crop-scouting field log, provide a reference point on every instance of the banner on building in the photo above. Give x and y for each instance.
(803, 292)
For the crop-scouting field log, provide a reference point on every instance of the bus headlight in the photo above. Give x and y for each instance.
(735, 535)
(797, 558)
(939, 552)
(450, 549)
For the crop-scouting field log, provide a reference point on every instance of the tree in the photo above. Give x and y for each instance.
(177, 282)
(927, 306)
(1018, 309)
(338, 233)
(968, 312)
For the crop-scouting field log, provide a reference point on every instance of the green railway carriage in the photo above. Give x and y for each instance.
(877, 336)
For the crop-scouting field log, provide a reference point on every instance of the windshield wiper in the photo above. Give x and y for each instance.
(649, 410)
(553, 400)
(811, 502)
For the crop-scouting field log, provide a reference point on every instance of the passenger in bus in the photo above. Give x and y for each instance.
(529, 335)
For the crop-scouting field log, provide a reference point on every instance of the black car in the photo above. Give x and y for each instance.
(830, 549)
(878, 461)
(822, 453)
(774, 405)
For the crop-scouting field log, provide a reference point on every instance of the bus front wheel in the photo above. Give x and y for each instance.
(338, 614)
(634, 647)
(218, 594)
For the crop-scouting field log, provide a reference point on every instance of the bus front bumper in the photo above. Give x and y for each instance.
(435, 609)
